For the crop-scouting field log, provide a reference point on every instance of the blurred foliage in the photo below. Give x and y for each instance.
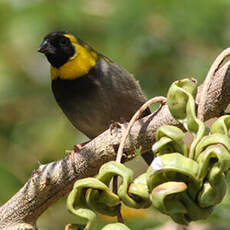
(159, 41)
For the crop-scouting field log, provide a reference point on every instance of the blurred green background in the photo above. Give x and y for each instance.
(158, 41)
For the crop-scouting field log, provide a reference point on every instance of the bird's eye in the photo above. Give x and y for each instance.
(63, 41)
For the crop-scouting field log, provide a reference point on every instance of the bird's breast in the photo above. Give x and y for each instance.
(93, 101)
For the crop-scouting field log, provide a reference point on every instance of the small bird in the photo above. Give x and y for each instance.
(92, 90)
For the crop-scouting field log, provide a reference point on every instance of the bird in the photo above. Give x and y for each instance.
(91, 89)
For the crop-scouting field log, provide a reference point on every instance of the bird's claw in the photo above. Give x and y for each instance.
(75, 149)
(114, 126)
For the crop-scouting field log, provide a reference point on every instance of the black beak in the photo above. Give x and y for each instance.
(46, 48)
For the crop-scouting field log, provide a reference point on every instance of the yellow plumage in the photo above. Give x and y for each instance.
(78, 65)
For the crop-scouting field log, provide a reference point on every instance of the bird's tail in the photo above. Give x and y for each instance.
(148, 157)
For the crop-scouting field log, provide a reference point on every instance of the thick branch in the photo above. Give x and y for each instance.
(52, 181)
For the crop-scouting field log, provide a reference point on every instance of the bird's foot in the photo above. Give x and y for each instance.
(114, 127)
(75, 149)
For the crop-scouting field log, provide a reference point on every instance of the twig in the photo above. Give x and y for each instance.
(124, 137)
(115, 188)
(208, 80)
(135, 117)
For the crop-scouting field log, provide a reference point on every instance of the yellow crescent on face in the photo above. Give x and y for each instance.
(78, 65)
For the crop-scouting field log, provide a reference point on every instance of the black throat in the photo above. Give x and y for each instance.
(60, 58)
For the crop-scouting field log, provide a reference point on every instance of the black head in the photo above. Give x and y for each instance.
(57, 47)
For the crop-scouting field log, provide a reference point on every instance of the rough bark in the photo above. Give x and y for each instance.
(51, 181)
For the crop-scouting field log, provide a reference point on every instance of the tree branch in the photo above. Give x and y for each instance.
(52, 181)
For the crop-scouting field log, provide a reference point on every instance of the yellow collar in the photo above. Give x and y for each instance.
(78, 65)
